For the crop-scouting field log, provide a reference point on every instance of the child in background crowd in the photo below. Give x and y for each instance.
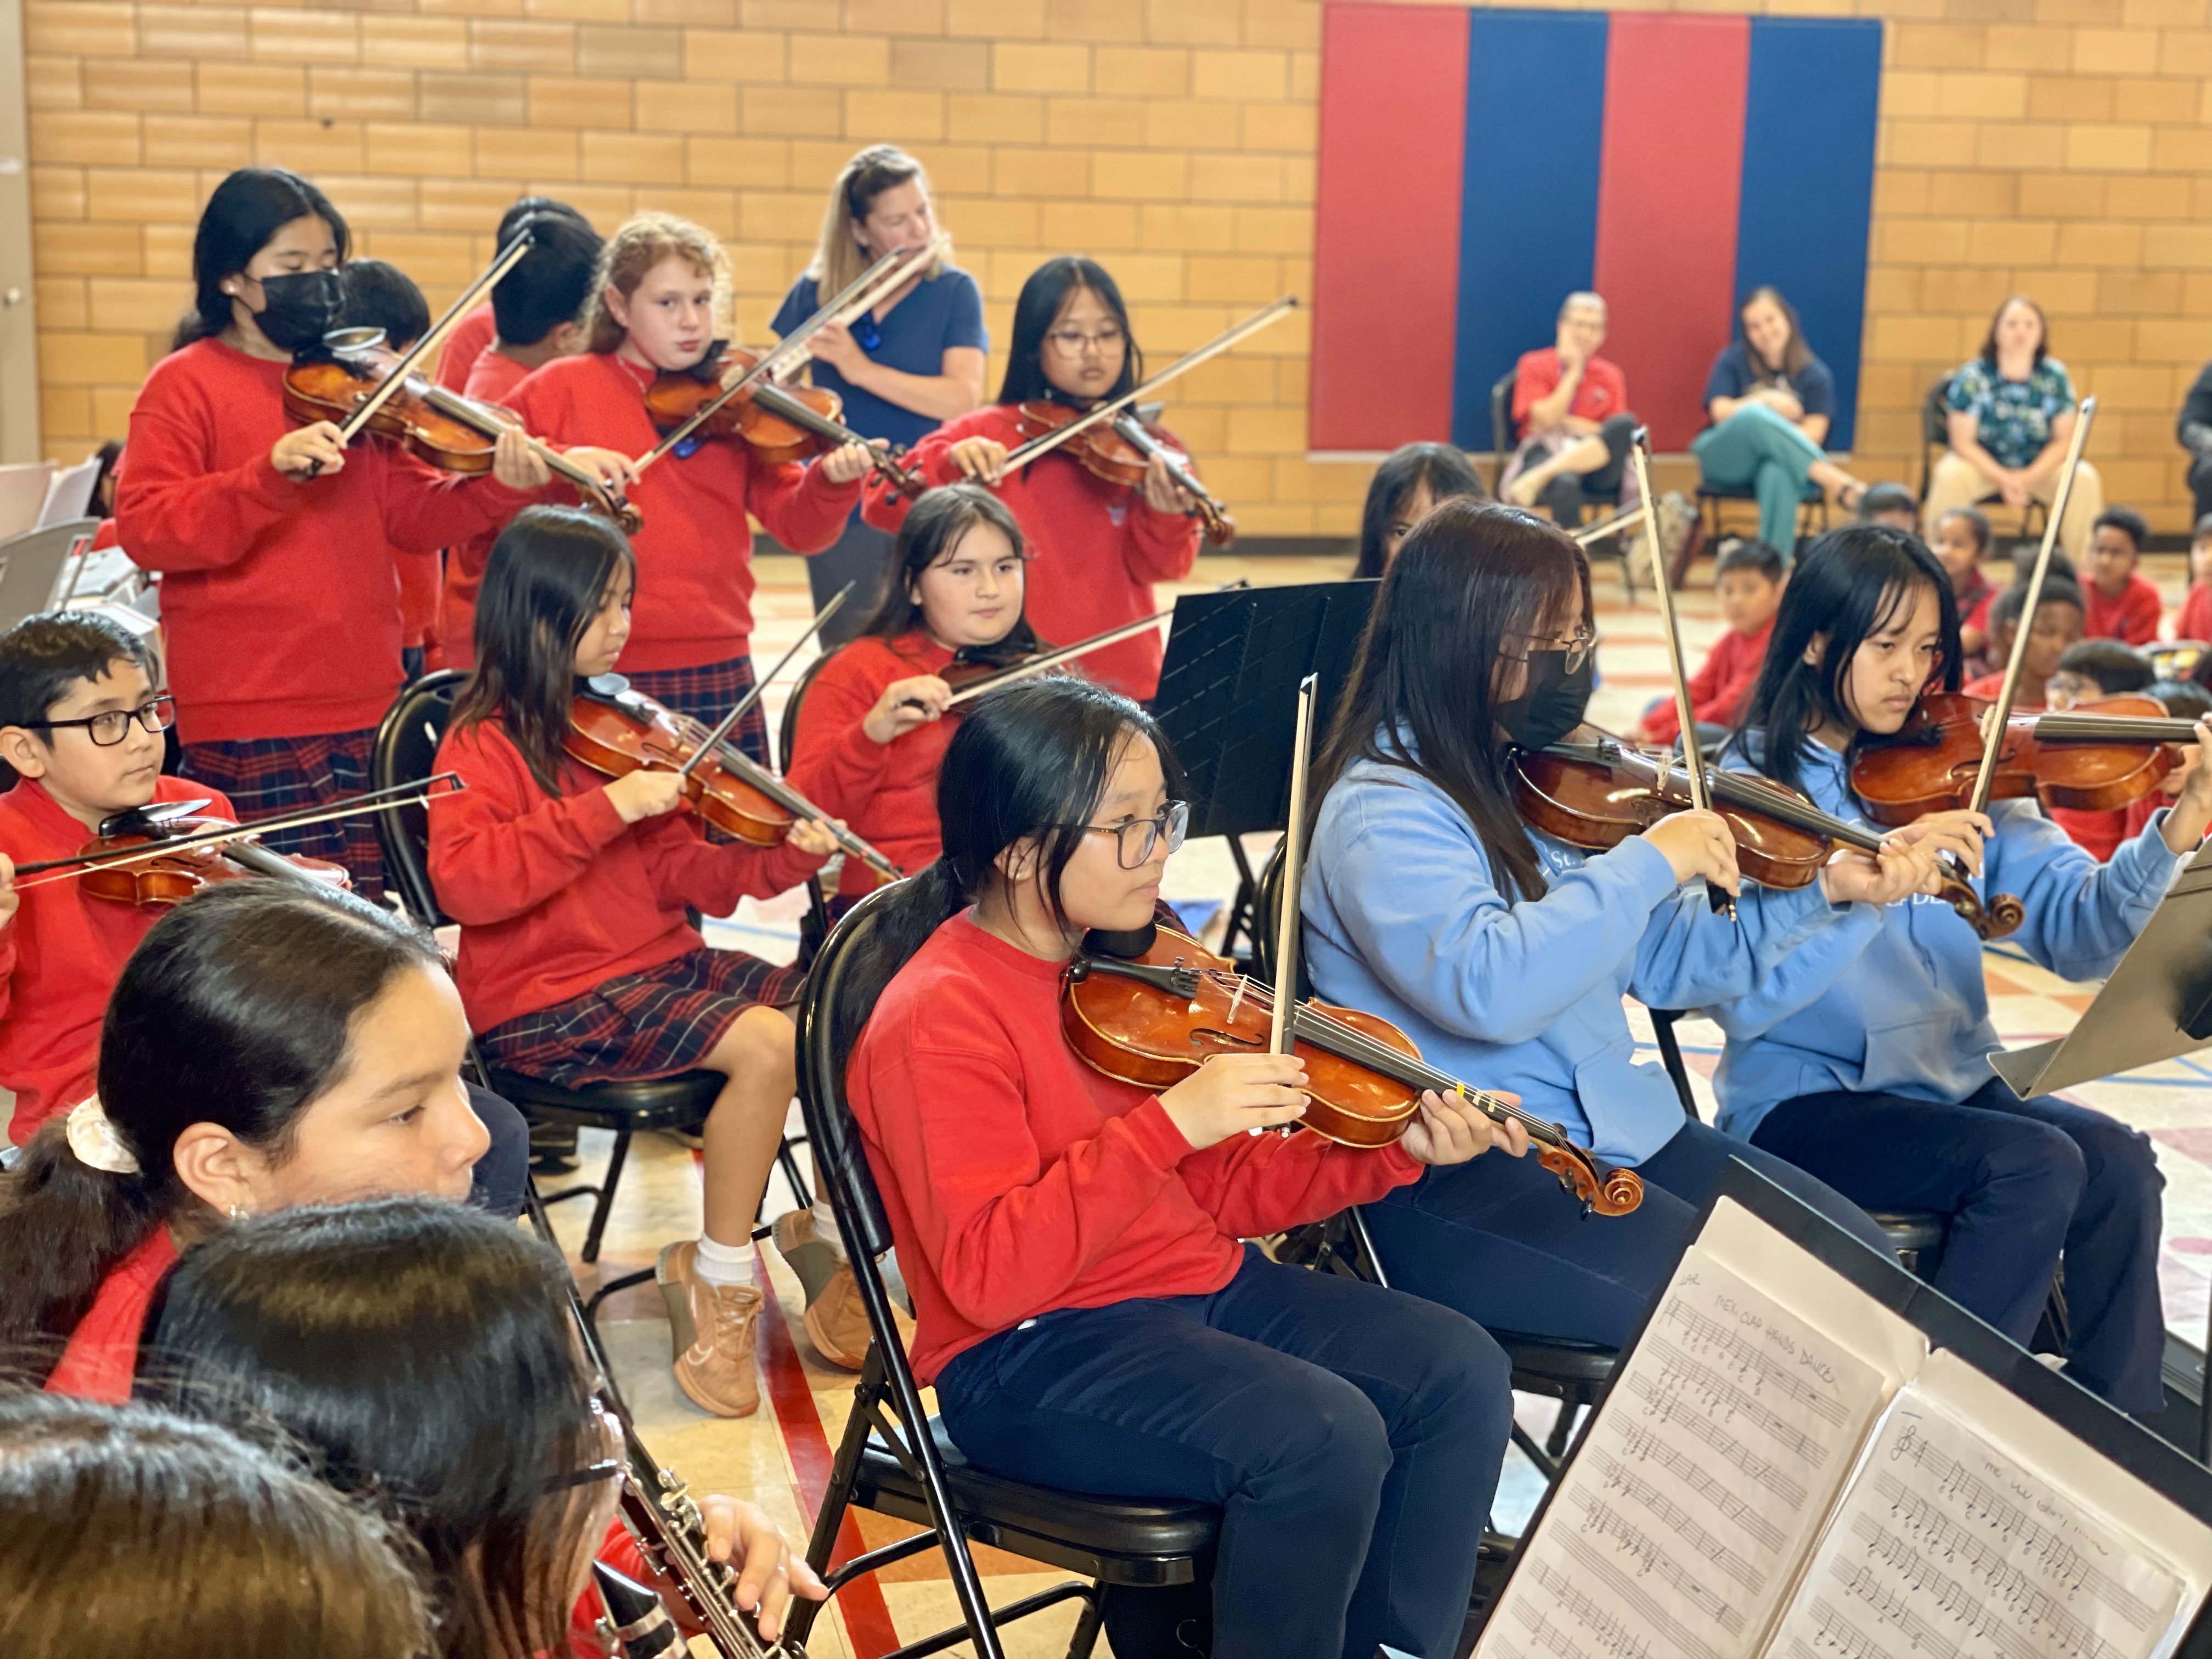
(1891, 505)
(1962, 542)
(1747, 583)
(2123, 604)
(2090, 670)
(2195, 622)
(2057, 625)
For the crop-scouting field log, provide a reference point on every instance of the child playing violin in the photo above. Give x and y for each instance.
(871, 729)
(660, 285)
(577, 960)
(1878, 1083)
(1094, 548)
(1083, 1303)
(283, 616)
(81, 722)
(1504, 953)
(382, 297)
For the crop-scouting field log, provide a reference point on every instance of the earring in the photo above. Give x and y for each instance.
(238, 1213)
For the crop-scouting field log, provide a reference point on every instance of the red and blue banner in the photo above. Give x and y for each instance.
(1477, 166)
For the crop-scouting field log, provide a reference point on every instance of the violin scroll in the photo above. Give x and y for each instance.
(1595, 1186)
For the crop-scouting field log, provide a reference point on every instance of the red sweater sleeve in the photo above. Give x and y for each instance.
(687, 869)
(799, 505)
(835, 763)
(2140, 612)
(425, 510)
(2195, 622)
(502, 847)
(1256, 1185)
(174, 514)
(1006, 1233)
(931, 457)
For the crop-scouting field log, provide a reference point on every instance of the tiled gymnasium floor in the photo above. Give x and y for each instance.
(782, 1456)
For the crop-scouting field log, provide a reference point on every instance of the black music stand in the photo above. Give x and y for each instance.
(2156, 1006)
(1228, 701)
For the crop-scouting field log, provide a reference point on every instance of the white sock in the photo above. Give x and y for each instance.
(726, 1264)
(826, 1229)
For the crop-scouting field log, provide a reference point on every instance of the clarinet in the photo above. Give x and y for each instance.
(659, 1510)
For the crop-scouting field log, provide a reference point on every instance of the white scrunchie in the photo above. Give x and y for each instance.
(94, 1140)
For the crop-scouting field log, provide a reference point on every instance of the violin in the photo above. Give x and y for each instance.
(1153, 1016)
(616, 731)
(2094, 758)
(1597, 795)
(173, 877)
(1120, 450)
(439, 426)
(779, 423)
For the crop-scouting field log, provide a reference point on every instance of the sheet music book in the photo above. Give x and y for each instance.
(1783, 1467)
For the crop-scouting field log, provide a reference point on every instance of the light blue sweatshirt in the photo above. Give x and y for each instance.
(1911, 1016)
(1403, 920)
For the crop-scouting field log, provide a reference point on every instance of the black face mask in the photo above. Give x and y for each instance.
(302, 307)
(1552, 704)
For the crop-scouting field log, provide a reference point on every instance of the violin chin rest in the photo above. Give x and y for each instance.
(1128, 945)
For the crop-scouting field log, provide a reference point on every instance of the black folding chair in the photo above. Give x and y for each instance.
(1936, 440)
(815, 927)
(897, 1459)
(406, 751)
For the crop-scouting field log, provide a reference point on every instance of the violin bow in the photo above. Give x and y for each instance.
(1700, 797)
(713, 740)
(1294, 856)
(435, 788)
(1047, 442)
(847, 306)
(1047, 661)
(1993, 723)
(771, 360)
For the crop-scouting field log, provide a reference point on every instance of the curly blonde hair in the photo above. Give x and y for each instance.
(642, 242)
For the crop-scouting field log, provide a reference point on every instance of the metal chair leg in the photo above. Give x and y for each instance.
(606, 1200)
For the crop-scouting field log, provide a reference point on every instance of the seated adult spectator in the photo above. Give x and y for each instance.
(2012, 411)
(1412, 479)
(1891, 507)
(1570, 407)
(1771, 402)
(2194, 428)
(2123, 603)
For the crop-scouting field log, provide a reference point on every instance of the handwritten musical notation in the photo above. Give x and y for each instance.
(1946, 1548)
(1678, 1527)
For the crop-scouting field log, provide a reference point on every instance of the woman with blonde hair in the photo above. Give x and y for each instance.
(661, 290)
(914, 359)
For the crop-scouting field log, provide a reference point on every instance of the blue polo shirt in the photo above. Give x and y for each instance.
(944, 311)
(1735, 374)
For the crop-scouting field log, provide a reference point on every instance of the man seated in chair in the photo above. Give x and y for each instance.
(1571, 407)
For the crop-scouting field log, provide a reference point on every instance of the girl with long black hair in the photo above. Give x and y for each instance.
(1413, 479)
(267, 1044)
(425, 1357)
(577, 960)
(1096, 547)
(1084, 1306)
(257, 524)
(1880, 1084)
(1504, 954)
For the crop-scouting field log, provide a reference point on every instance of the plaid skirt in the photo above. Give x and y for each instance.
(707, 694)
(266, 776)
(655, 1024)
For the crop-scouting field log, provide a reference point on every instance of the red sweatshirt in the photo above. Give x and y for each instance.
(1719, 687)
(103, 1350)
(2133, 616)
(470, 337)
(886, 792)
(492, 380)
(556, 895)
(694, 565)
(1094, 548)
(60, 956)
(2195, 622)
(279, 599)
(1017, 1180)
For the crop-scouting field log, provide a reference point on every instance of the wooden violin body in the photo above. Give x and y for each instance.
(779, 423)
(175, 877)
(1933, 762)
(1120, 451)
(618, 733)
(1153, 1019)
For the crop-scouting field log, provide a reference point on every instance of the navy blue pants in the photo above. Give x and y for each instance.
(1498, 1240)
(1351, 1436)
(2023, 1181)
(495, 1184)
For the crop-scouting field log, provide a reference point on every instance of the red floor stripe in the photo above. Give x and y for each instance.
(867, 1617)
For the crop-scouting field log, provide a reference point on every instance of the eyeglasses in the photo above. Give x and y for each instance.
(1577, 646)
(1075, 343)
(607, 1468)
(1173, 822)
(110, 728)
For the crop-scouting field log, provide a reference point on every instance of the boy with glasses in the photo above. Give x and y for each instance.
(82, 717)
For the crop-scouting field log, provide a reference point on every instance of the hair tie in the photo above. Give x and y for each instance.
(94, 1140)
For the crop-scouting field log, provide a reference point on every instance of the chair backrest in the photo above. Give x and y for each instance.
(787, 733)
(828, 1026)
(406, 751)
(1935, 430)
(818, 924)
(1267, 900)
(1501, 429)
(33, 564)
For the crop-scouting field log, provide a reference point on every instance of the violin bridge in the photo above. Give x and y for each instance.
(1235, 1002)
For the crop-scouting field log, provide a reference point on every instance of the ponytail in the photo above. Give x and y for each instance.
(1028, 762)
(235, 1010)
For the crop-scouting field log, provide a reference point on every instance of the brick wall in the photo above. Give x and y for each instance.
(2060, 147)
